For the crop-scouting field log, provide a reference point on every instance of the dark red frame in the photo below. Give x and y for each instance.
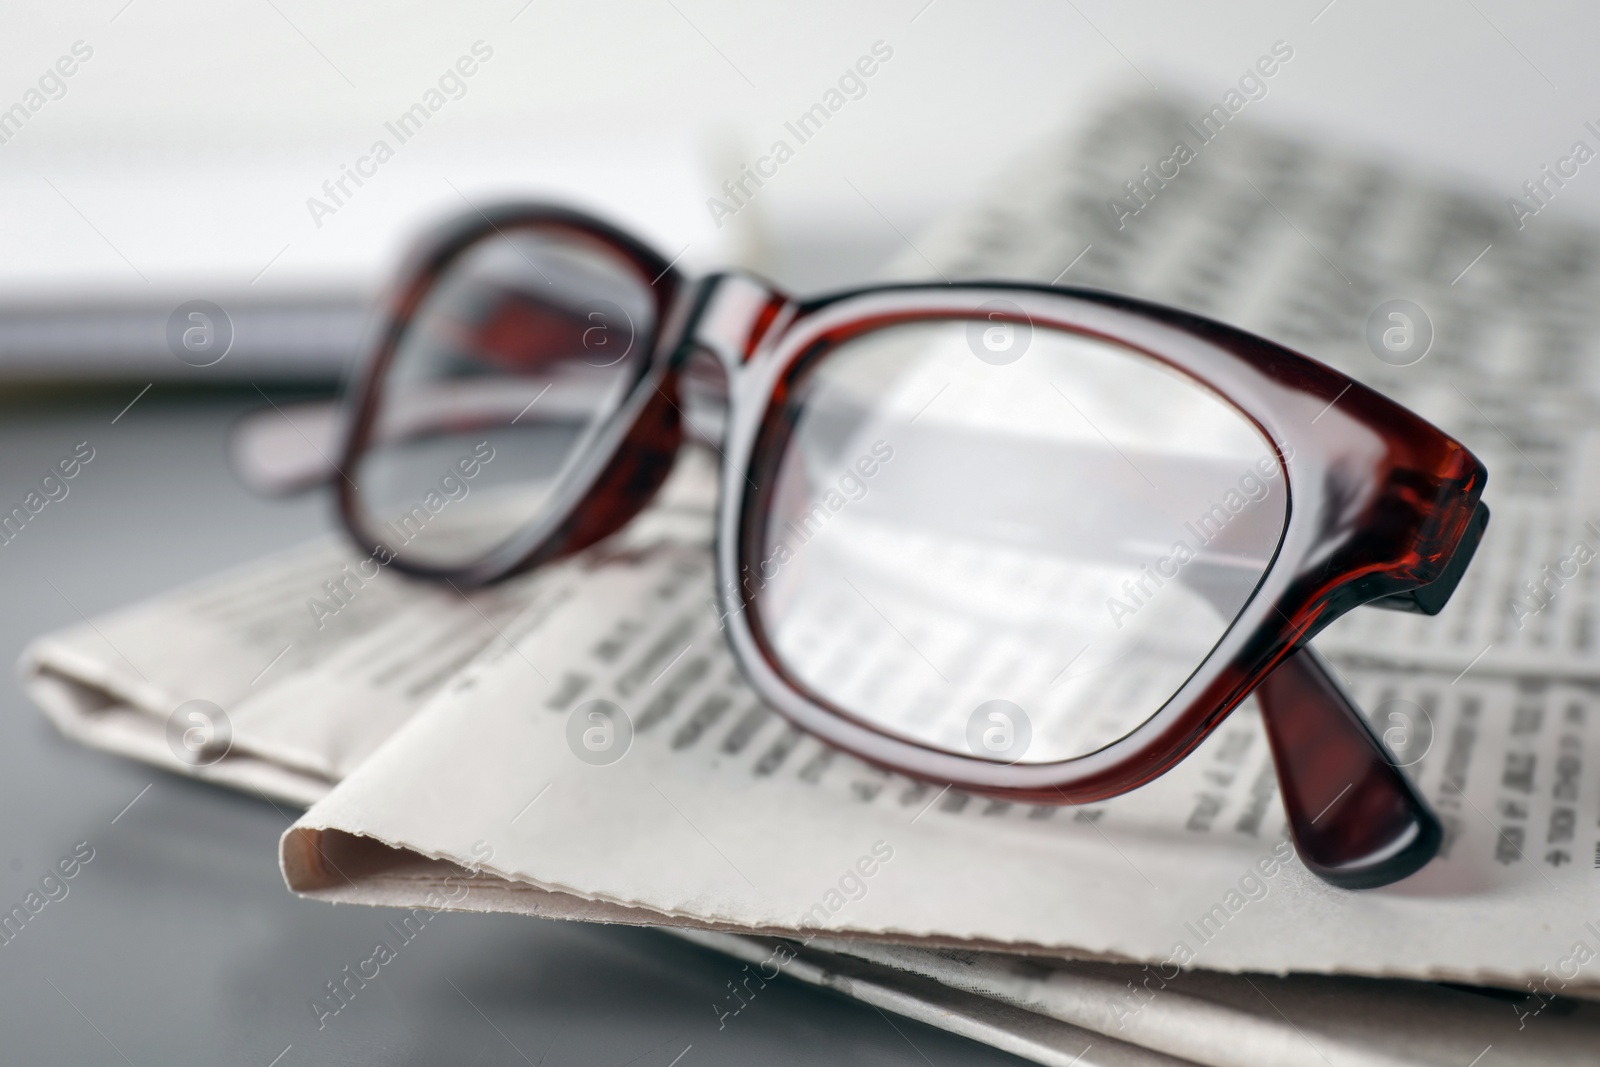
(1383, 508)
(637, 446)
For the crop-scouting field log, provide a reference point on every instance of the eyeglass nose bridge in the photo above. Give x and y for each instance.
(732, 313)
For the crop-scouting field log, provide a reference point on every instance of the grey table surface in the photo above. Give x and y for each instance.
(178, 943)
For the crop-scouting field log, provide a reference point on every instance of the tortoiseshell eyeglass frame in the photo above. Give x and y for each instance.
(1383, 509)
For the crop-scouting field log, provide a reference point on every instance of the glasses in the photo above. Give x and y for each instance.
(1030, 542)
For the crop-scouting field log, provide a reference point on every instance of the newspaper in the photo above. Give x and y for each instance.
(1257, 1021)
(303, 663)
(304, 721)
(1174, 874)
(1191, 870)
(1039, 1036)
(756, 744)
(1306, 245)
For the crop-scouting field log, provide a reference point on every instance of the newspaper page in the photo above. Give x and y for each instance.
(1257, 1021)
(1498, 341)
(118, 682)
(716, 814)
(248, 644)
(1039, 1036)
(378, 876)
(284, 675)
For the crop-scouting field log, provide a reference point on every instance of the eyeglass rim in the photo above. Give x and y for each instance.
(1250, 373)
(432, 256)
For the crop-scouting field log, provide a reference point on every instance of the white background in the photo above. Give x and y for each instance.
(186, 148)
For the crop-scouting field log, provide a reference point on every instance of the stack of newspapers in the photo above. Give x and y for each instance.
(425, 730)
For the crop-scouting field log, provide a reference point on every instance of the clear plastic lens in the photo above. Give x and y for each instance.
(1017, 559)
(518, 355)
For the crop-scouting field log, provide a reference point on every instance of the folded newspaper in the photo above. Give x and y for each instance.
(429, 730)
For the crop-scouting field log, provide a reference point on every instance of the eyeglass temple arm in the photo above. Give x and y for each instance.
(289, 448)
(1356, 819)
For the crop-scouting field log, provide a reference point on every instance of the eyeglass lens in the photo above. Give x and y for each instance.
(1007, 541)
(514, 360)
